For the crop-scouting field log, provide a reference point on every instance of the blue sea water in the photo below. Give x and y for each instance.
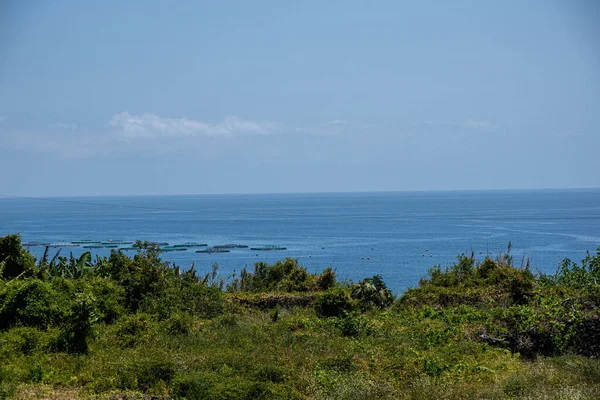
(397, 235)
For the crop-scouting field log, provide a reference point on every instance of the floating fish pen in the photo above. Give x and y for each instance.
(62, 245)
(213, 250)
(155, 244)
(268, 248)
(190, 244)
(85, 242)
(230, 246)
(34, 244)
(116, 242)
(173, 248)
(101, 246)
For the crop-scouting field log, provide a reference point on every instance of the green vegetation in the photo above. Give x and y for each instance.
(121, 327)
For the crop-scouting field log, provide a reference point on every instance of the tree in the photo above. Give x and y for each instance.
(14, 259)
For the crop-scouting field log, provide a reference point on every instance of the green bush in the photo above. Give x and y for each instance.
(25, 340)
(14, 259)
(109, 298)
(350, 324)
(29, 302)
(179, 324)
(181, 296)
(270, 373)
(372, 292)
(283, 276)
(152, 371)
(191, 387)
(333, 303)
(74, 332)
(8, 386)
(132, 329)
(36, 373)
(339, 363)
(240, 389)
(327, 279)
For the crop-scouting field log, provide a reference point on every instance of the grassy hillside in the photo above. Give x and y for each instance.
(122, 327)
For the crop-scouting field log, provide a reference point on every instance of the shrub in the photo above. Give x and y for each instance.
(517, 283)
(372, 292)
(191, 387)
(184, 295)
(109, 298)
(36, 373)
(274, 314)
(132, 329)
(29, 302)
(350, 325)
(587, 338)
(240, 390)
(8, 386)
(270, 373)
(487, 266)
(333, 303)
(326, 280)
(74, 333)
(179, 324)
(25, 340)
(14, 259)
(152, 371)
(285, 276)
(433, 367)
(581, 276)
(339, 363)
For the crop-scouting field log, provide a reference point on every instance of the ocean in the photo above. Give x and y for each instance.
(398, 235)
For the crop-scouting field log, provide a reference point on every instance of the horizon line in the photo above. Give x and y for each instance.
(6, 196)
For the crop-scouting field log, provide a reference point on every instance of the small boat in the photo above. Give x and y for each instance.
(172, 248)
(230, 246)
(128, 248)
(85, 241)
(268, 248)
(190, 244)
(213, 250)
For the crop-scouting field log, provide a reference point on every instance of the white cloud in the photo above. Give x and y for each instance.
(152, 125)
(327, 128)
(335, 122)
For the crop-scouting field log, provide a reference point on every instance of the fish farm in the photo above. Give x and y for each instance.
(126, 245)
(173, 248)
(101, 246)
(191, 244)
(230, 246)
(213, 250)
(268, 248)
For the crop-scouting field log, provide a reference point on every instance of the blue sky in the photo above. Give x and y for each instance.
(162, 97)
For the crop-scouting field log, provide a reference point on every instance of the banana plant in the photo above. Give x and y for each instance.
(102, 266)
(70, 267)
(79, 267)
